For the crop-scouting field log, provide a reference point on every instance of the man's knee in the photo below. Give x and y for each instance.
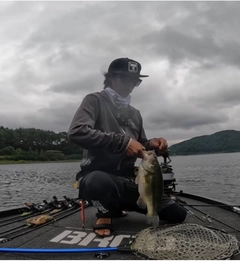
(96, 180)
(96, 184)
(173, 213)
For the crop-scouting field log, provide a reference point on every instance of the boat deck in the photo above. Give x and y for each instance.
(67, 232)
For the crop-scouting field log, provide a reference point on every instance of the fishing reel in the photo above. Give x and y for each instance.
(167, 171)
(70, 202)
(57, 204)
(35, 207)
(166, 156)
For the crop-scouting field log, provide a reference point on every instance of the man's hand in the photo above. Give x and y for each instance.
(135, 149)
(159, 143)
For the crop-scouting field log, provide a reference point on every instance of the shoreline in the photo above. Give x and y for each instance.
(9, 162)
(199, 154)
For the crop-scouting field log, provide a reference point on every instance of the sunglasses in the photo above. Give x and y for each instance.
(126, 79)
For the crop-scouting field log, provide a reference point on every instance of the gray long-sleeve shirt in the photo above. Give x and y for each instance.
(96, 128)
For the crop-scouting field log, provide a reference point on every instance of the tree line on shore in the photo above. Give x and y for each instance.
(32, 144)
(220, 142)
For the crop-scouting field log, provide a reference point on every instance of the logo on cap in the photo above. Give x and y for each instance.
(132, 67)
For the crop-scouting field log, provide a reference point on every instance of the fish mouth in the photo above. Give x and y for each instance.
(147, 167)
(147, 163)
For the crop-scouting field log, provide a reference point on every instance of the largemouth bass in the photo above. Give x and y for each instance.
(150, 183)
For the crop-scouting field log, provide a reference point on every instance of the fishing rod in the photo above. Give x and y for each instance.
(184, 204)
(207, 217)
(24, 229)
(234, 208)
(26, 212)
(36, 210)
(59, 206)
(56, 218)
(51, 206)
(196, 216)
(215, 219)
(210, 202)
(204, 205)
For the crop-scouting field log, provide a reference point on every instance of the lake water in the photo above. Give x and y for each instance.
(215, 175)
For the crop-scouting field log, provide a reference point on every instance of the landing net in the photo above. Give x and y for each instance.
(185, 242)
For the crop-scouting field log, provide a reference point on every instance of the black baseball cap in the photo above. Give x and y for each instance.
(126, 66)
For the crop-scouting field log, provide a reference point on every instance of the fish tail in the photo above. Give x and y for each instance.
(152, 220)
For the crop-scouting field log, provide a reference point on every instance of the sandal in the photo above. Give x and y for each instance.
(104, 226)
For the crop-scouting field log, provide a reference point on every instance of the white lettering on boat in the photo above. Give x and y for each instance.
(103, 242)
(61, 236)
(87, 240)
(74, 236)
(118, 239)
(84, 239)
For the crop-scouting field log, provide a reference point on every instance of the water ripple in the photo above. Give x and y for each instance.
(215, 176)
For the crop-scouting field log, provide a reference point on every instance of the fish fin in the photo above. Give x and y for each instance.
(141, 203)
(137, 179)
(136, 169)
(152, 220)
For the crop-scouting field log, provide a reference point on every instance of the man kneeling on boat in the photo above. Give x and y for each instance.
(111, 133)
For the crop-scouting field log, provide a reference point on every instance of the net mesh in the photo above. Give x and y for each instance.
(185, 242)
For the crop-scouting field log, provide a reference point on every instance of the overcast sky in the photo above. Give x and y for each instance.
(54, 53)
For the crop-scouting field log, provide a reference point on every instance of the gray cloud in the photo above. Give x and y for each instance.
(54, 53)
(84, 84)
(57, 116)
(185, 119)
(202, 35)
(183, 46)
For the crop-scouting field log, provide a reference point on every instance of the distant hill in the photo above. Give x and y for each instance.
(219, 142)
